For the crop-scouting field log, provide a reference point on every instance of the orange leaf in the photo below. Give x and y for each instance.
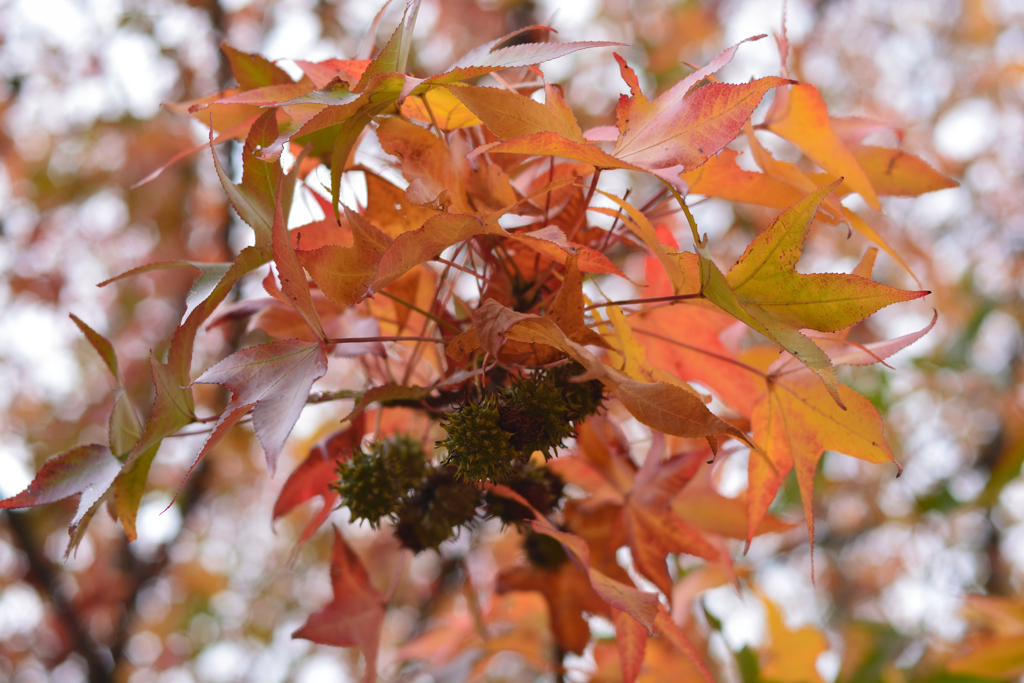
(894, 172)
(689, 130)
(553, 144)
(804, 122)
(631, 641)
(720, 176)
(294, 287)
(345, 274)
(509, 114)
(794, 423)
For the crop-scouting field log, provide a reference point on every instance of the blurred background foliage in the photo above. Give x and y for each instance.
(207, 593)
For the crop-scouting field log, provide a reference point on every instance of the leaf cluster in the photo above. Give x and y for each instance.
(501, 190)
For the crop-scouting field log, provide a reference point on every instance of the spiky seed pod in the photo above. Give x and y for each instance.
(582, 399)
(375, 480)
(543, 551)
(477, 446)
(541, 487)
(535, 413)
(430, 516)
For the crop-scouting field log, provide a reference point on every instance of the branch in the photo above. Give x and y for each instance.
(42, 575)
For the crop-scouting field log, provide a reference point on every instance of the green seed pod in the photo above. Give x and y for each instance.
(543, 551)
(477, 446)
(431, 515)
(534, 412)
(582, 399)
(541, 488)
(373, 482)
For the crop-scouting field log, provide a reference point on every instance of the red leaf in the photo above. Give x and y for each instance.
(355, 616)
(631, 641)
(79, 470)
(312, 478)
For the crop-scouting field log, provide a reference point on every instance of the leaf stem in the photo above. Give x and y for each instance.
(686, 210)
(712, 354)
(586, 203)
(357, 340)
(650, 300)
(419, 310)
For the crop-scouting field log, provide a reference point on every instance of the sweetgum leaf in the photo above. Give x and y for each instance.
(173, 406)
(253, 71)
(294, 288)
(894, 172)
(693, 128)
(641, 605)
(82, 469)
(803, 120)
(272, 380)
(631, 641)
(764, 290)
(345, 274)
(314, 475)
(356, 614)
(509, 114)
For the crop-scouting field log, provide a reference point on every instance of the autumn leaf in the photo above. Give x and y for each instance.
(645, 519)
(894, 172)
(508, 114)
(255, 198)
(686, 124)
(764, 290)
(795, 421)
(679, 130)
(790, 656)
(721, 176)
(640, 605)
(568, 592)
(314, 475)
(125, 428)
(355, 616)
(253, 70)
(86, 469)
(294, 288)
(998, 651)
(271, 380)
(802, 118)
(345, 274)
(173, 406)
(413, 248)
(440, 106)
(513, 622)
(700, 355)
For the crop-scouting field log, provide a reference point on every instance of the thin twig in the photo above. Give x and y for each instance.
(712, 354)
(649, 300)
